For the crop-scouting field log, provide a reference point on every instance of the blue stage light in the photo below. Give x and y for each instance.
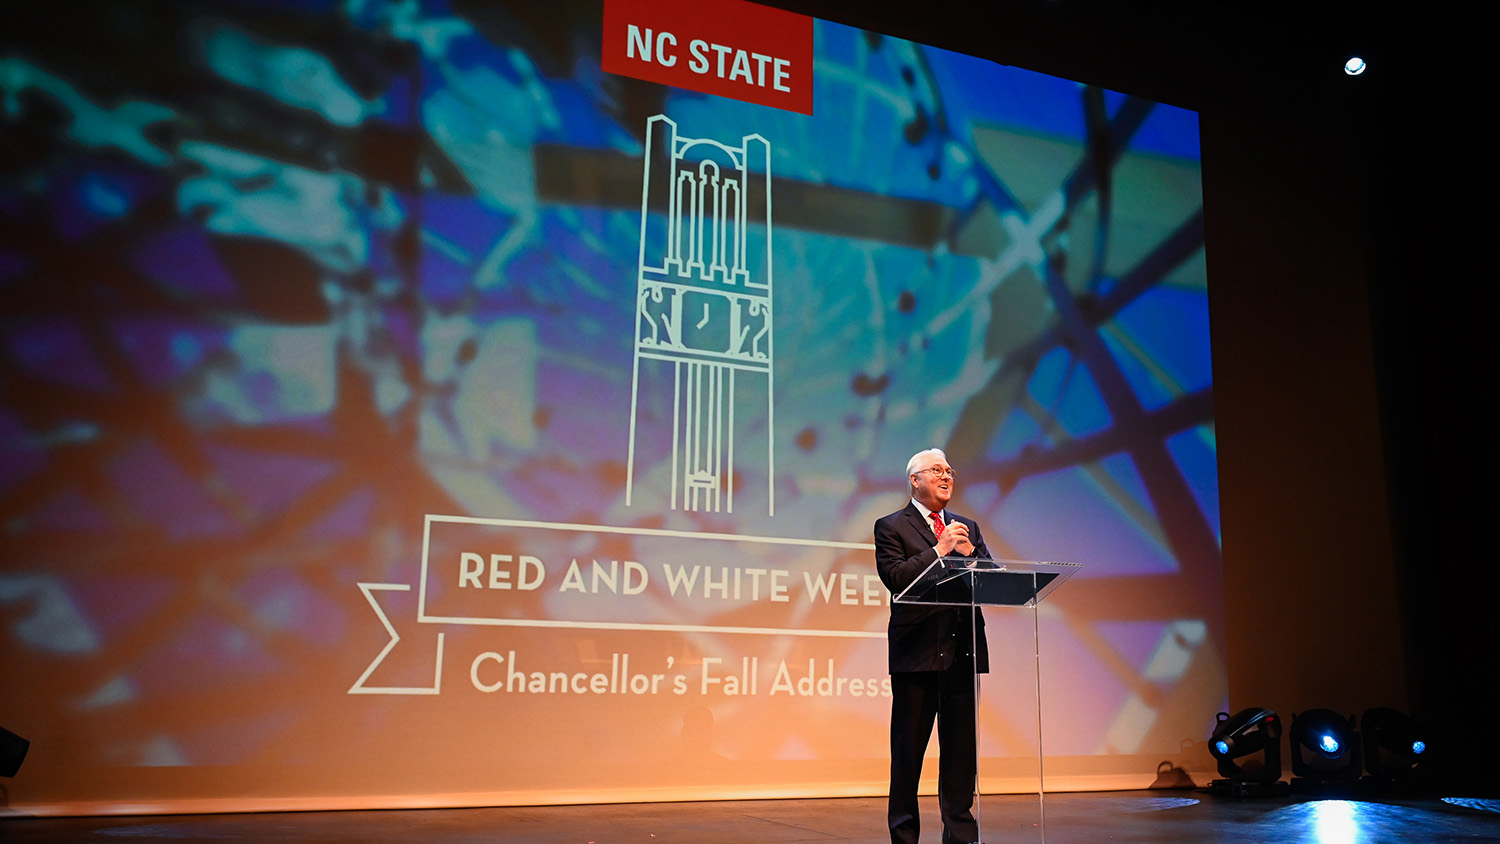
(1396, 751)
(1325, 751)
(1247, 748)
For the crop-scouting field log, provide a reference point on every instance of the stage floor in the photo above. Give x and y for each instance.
(1159, 817)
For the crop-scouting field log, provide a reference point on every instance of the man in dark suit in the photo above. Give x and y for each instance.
(932, 654)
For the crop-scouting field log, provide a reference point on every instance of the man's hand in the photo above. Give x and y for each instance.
(955, 536)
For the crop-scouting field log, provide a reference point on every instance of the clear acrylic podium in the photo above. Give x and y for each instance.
(967, 582)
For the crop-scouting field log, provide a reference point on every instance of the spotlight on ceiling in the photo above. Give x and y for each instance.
(1325, 751)
(1396, 747)
(1248, 749)
(1355, 66)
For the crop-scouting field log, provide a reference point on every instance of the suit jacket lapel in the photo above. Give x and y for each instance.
(923, 526)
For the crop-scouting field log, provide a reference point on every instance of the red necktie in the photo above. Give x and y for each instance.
(937, 525)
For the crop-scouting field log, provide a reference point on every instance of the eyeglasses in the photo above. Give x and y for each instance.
(939, 471)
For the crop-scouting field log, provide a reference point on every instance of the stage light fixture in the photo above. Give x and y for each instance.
(1325, 749)
(1355, 66)
(1235, 743)
(1395, 747)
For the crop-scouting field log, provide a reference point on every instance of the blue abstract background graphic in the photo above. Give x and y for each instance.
(279, 279)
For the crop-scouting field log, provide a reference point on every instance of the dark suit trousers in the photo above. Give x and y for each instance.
(919, 697)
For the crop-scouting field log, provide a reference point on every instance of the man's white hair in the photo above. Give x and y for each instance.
(914, 465)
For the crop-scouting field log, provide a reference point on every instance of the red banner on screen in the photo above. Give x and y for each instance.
(728, 48)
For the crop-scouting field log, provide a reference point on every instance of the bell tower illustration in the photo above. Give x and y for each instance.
(703, 307)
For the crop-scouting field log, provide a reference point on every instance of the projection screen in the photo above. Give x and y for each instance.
(400, 408)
